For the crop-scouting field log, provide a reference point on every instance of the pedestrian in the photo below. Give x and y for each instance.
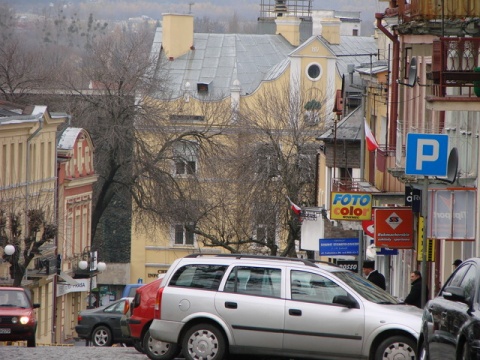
(456, 264)
(415, 295)
(373, 275)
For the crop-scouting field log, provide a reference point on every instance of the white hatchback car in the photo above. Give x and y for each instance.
(215, 305)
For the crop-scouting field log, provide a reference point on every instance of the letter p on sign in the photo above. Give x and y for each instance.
(426, 154)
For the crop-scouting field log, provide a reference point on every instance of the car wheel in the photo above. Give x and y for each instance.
(31, 342)
(159, 350)
(137, 344)
(203, 341)
(102, 336)
(396, 347)
(466, 352)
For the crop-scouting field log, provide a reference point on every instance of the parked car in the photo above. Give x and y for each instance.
(17, 316)
(101, 326)
(126, 313)
(211, 306)
(140, 320)
(130, 289)
(451, 320)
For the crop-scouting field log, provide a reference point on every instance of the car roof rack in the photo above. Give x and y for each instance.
(251, 256)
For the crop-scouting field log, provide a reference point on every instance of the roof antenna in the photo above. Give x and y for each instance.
(190, 7)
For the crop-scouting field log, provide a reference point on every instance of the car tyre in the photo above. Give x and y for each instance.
(102, 336)
(137, 344)
(396, 347)
(32, 342)
(204, 341)
(159, 350)
(466, 352)
(423, 352)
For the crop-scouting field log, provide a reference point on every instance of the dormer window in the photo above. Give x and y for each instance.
(202, 87)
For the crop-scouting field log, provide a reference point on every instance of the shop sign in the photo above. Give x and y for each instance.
(351, 206)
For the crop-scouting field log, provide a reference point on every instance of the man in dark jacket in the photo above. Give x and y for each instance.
(415, 295)
(373, 275)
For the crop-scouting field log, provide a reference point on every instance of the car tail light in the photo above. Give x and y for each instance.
(126, 307)
(79, 318)
(158, 303)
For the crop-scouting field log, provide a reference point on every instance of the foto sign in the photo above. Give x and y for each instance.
(350, 206)
(426, 154)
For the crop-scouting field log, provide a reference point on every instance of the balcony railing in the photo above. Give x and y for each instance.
(352, 185)
(455, 66)
(437, 9)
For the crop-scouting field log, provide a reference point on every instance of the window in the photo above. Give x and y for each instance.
(206, 277)
(314, 71)
(185, 154)
(256, 281)
(183, 236)
(266, 165)
(313, 288)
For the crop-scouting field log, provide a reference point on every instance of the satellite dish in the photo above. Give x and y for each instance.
(452, 167)
(412, 73)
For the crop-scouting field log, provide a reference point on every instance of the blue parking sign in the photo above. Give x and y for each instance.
(426, 154)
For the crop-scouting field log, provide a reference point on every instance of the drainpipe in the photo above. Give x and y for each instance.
(55, 278)
(392, 138)
(27, 175)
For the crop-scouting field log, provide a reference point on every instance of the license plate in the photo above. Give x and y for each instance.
(5, 331)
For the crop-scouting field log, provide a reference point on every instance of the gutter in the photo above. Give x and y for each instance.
(392, 132)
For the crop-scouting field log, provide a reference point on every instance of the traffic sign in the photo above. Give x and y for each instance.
(426, 154)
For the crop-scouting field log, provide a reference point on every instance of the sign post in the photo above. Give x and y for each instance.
(427, 155)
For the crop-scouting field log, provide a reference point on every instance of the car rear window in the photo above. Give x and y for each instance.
(199, 276)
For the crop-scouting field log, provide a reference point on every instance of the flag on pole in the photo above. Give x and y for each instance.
(372, 144)
(296, 209)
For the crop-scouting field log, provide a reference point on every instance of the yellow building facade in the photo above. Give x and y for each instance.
(217, 81)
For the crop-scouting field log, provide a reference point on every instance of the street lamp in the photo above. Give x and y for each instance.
(93, 269)
(9, 249)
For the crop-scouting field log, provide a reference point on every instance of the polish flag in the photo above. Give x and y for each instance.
(372, 144)
(296, 209)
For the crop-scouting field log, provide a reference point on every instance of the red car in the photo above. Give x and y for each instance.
(17, 317)
(139, 323)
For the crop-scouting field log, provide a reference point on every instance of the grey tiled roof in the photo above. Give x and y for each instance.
(220, 59)
(347, 129)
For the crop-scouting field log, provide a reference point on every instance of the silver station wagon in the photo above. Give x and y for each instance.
(214, 306)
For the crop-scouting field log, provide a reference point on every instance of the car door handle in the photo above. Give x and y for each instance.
(295, 312)
(230, 305)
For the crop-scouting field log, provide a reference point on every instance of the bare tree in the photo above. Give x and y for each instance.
(26, 229)
(238, 201)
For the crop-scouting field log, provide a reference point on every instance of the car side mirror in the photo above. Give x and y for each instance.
(454, 293)
(36, 306)
(346, 301)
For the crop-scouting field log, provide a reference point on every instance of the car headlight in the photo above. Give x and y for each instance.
(24, 320)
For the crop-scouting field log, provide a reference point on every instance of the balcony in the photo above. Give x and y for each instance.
(352, 185)
(455, 74)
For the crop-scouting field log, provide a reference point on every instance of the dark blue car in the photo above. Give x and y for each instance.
(451, 321)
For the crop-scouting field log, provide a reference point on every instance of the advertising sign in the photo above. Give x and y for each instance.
(426, 154)
(394, 228)
(82, 285)
(341, 246)
(452, 214)
(351, 265)
(351, 206)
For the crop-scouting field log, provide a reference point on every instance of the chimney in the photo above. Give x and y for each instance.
(331, 30)
(289, 28)
(177, 38)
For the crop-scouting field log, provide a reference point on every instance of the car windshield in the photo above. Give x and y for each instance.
(13, 298)
(365, 288)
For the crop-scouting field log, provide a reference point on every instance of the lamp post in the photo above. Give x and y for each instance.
(9, 250)
(93, 269)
